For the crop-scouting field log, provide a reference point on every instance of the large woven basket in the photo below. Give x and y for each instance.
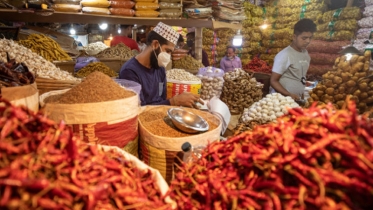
(46, 85)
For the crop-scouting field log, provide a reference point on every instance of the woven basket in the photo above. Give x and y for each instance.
(46, 85)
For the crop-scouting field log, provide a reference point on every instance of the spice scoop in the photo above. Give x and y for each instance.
(187, 122)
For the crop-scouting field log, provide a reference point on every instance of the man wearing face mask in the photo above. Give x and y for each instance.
(192, 52)
(148, 69)
(230, 61)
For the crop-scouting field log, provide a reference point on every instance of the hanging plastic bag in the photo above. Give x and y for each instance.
(83, 61)
(212, 82)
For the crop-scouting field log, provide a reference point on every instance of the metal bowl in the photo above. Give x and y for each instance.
(187, 122)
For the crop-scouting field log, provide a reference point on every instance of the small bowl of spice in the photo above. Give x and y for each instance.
(187, 122)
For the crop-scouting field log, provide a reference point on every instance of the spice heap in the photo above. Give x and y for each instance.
(240, 90)
(36, 64)
(97, 87)
(188, 63)
(316, 158)
(118, 51)
(350, 75)
(96, 66)
(43, 166)
(157, 122)
(46, 47)
(258, 65)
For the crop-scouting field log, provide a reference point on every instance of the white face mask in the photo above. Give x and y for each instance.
(163, 58)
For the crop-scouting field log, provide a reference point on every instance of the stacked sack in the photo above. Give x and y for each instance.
(170, 8)
(338, 25)
(323, 55)
(228, 10)
(99, 7)
(209, 43)
(252, 37)
(66, 5)
(122, 8)
(225, 37)
(284, 14)
(146, 8)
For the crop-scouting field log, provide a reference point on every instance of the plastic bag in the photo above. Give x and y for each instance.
(146, 6)
(334, 35)
(76, 2)
(165, 5)
(146, 13)
(122, 12)
(368, 11)
(170, 13)
(212, 82)
(96, 10)
(129, 84)
(364, 33)
(83, 61)
(342, 14)
(122, 4)
(366, 22)
(326, 47)
(67, 7)
(95, 3)
(350, 24)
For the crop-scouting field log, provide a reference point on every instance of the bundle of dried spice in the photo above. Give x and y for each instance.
(317, 158)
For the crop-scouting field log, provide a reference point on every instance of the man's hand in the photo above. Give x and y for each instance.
(186, 99)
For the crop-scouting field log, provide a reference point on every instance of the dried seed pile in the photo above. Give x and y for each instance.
(97, 87)
(317, 158)
(157, 122)
(96, 66)
(43, 166)
(118, 51)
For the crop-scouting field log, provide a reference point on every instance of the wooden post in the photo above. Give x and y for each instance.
(349, 3)
(198, 44)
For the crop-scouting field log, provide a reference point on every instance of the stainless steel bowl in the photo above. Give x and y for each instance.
(187, 122)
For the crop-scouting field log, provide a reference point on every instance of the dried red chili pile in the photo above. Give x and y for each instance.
(258, 65)
(317, 158)
(42, 166)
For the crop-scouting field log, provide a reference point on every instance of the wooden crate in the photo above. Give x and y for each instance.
(112, 63)
(265, 80)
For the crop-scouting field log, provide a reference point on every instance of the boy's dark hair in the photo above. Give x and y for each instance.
(193, 34)
(152, 35)
(231, 47)
(181, 39)
(304, 25)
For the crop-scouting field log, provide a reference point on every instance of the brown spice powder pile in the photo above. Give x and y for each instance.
(157, 122)
(97, 87)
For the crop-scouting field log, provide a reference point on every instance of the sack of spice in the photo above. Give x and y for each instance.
(212, 82)
(85, 108)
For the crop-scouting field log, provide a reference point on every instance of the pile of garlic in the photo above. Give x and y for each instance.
(35, 63)
(268, 109)
(95, 48)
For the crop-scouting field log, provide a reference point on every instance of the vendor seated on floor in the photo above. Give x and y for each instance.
(148, 69)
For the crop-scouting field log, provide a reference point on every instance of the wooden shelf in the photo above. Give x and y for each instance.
(67, 17)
